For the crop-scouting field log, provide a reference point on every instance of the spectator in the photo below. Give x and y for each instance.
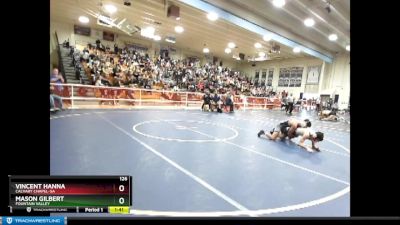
(57, 78)
(166, 72)
(115, 48)
(216, 102)
(98, 43)
(55, 98)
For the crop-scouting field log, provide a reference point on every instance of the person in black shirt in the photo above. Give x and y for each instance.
(229, 102)
(115, 48)
(216, 101)
(98, 44)
(206, 101)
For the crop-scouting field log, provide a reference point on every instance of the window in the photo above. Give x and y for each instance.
(270, 76)
(256, 77)
(290, 77)
(264, 75)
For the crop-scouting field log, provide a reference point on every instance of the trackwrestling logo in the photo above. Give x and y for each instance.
(56, 220)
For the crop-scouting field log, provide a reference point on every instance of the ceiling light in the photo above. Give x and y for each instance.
(170, 39)
(231, 45)
(279, 3)
(228, 50)
(267, 37)
(83, 19)
(156, 37)
(212, 16)
(332, 37)
(206, 50)
(179, 29)
(309, 22)
(178, 18)
(110, 8)
(257, 45)
(296, 49)
(261, 54)
(348, 47)
(148, 32)
(150, 29)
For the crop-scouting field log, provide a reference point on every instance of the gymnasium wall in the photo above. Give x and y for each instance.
(276, 65)
(334, 78)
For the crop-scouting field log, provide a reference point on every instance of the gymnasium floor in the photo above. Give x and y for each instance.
(193, 163)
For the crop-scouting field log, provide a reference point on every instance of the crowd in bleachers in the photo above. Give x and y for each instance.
(134, 68)
(131, 68)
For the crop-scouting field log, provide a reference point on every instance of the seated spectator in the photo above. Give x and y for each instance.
(216, 103)
(166, 72)
(55, 98)
(98, 82)
(98, 42)
(57, 78)
(66, 43)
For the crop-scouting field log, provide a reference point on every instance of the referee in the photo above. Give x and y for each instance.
(289, 104)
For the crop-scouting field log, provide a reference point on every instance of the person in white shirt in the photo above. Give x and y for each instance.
(318, 103)
(289, 106)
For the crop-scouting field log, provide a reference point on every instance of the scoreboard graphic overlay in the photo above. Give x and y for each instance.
(77, 194)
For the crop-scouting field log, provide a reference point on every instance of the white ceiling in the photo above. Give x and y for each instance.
(288, 21)
(199, 31)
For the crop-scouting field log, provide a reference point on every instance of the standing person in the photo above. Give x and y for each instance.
(318, 103)
(284, 103)
(290, 101)
(229, 102)
(206, 101)
(335, 107)
(115, 48)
